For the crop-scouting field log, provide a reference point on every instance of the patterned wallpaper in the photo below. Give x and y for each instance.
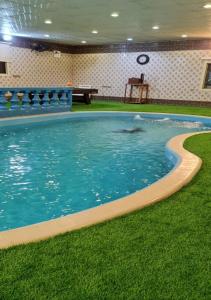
(173, 75)
(28, 68)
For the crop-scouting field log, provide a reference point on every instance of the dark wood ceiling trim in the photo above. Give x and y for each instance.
(118, 48)
(145, 47)
(27, 43)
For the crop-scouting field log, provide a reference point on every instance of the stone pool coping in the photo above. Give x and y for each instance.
(189, 164)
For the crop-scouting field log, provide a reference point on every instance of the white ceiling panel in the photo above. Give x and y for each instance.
(73, 20)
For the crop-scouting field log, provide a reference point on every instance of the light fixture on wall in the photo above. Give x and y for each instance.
(184, 36)
(129, 39)
(7, 37)
(114, 14)
(156, 27)
(207, 6)
(83, 42)
(94, 31)
(48, 21)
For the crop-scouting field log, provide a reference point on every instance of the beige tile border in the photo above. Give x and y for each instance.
(181, 175)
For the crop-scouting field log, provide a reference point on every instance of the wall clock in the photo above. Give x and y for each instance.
(143, 59)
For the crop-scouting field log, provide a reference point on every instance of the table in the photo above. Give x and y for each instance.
(83, 94)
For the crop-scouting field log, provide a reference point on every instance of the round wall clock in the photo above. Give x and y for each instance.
(143, 59)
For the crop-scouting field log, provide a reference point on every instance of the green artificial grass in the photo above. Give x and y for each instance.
(159, 108)
(161, 252)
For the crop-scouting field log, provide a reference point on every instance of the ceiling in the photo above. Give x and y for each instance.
(73, 20)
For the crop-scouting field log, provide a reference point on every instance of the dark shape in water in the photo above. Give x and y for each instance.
(133, 130)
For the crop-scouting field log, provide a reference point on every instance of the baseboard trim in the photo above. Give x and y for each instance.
(157, 101)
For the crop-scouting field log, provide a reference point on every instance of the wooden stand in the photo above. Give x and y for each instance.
(143, 88)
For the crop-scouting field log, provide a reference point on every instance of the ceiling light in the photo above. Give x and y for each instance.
(94, 31)
(7, 37)
(47, 35)
(207, 6)
(156, 27)
(83, 42)
(115, 15)
(48, 22)
(184, 36)
(129, 39)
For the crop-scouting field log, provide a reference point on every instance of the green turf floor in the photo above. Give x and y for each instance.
(106, 106)
(161, 252)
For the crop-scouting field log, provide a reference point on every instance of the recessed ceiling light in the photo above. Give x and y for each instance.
(207, 6)
(48, 21)
(184, 36)
(94, 31)
(7, 37)
(129, 39)
(83, 42)
(156, 27)
(47, 35)
(115, 14)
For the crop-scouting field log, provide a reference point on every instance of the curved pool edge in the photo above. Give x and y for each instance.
(180, 176)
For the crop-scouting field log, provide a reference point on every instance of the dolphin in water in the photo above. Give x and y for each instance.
(133, 130)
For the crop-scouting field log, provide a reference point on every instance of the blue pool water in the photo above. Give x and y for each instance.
(51, 168)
